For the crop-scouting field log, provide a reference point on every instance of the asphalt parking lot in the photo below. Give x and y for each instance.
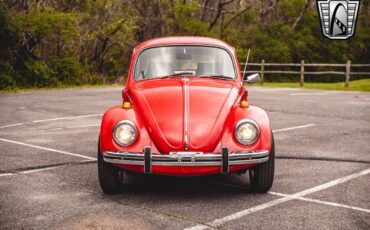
(48, 172)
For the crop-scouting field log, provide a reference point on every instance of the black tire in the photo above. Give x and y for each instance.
(262, 176)
(109, 179)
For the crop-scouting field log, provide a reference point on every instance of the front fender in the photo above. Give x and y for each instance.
(114, 115)
(256, 114)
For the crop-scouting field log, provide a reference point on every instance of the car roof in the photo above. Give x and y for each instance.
(183, 40)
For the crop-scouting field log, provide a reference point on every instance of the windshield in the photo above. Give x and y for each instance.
(171, 61)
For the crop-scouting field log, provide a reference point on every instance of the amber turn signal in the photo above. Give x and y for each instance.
(126, 105)
(244, 104)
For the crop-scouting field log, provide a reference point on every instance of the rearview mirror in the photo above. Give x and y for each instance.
(254, 78)
(183, 56)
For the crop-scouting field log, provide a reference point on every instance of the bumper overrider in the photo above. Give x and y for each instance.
(223, 159)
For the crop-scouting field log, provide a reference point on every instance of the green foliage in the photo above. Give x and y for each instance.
(39, 74)
(185, 22)
(6, 76)
(70, 71)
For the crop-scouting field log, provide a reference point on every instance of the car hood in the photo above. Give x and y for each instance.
(185, 113)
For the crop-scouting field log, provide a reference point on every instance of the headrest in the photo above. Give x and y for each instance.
(157, 69)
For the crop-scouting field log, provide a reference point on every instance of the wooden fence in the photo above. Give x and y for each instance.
(347, 73)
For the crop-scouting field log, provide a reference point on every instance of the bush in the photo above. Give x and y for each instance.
(7, 81)
(39, 74)
(69, 71)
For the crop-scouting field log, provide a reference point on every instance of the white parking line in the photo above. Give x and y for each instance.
(294, 127)
(323, 202)
(70, 127)
(218, 222)
(51, 119)
(28, 171)
(82, 126)
(312, 94)
(6, 174)
(47, 149)
(68, 118)
(17, 124)
(270, 89)
(51, 129)
(38, 169)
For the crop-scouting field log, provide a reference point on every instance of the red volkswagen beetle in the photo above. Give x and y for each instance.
(185, 113)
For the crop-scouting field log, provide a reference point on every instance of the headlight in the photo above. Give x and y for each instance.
(124, 133)
(246, 132)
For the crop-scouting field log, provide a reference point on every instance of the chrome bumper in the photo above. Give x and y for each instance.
(223, 159)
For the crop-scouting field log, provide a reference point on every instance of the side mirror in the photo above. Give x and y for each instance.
(254, 78)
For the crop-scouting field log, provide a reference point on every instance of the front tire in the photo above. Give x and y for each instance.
(108, 175)
(262, 176)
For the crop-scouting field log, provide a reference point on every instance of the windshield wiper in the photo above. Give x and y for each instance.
(182, 73)
(176, 74)
(216, 76)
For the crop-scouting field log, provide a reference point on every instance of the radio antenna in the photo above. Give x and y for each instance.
(246, 63)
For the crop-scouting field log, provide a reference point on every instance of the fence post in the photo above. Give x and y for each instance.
(301, 82)
(348, 70)
(262, 70)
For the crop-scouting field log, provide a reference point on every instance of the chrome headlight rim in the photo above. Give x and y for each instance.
(124, 122)
(242, 122)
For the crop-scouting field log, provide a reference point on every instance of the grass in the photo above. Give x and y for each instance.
(20, 90)
(357, 85)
